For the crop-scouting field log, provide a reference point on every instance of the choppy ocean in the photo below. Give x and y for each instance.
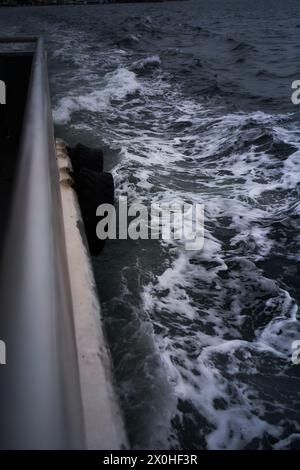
(191, 102)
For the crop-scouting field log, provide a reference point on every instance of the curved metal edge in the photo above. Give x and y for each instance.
(41, 405)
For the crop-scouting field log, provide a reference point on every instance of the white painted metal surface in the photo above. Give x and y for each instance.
(102, 418)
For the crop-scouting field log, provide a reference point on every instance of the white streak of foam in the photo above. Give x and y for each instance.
(115, 85)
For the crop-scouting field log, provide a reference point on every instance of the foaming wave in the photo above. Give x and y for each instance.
(115, 86)
(220, 321)
(205, 307)
(221, 317)
(144, 66)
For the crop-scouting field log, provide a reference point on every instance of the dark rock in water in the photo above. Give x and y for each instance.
(93, 189)
(86, 157)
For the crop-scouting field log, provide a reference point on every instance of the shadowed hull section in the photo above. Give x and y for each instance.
(15, 72)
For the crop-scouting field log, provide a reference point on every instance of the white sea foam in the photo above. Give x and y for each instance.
(144, 64)
(217, 314)
(115, 86)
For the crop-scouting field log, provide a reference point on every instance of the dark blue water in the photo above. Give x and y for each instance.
(192, 103)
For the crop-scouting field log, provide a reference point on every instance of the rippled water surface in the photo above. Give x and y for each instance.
(191, 103)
